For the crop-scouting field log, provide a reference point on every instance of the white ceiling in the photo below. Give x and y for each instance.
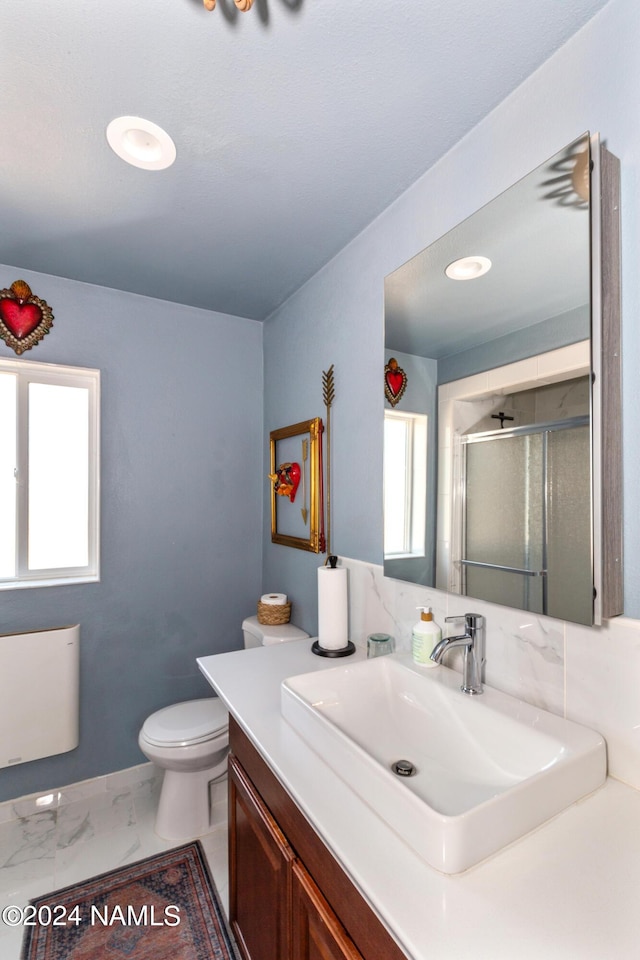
(295, 125)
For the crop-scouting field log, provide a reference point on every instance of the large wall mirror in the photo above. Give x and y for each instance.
(507, 329)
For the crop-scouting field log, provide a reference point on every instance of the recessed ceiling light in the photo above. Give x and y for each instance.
(141, 143)
(468, 268)
(46, 800)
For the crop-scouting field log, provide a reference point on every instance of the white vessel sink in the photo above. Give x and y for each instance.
(488, 769)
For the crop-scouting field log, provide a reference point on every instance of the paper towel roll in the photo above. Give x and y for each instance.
(333, 608)
(273, 598)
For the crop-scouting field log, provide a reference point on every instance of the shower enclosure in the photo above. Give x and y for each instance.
(525, 518)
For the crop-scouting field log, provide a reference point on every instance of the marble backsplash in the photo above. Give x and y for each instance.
(587, 674)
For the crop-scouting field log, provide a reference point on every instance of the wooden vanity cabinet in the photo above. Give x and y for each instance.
(289, 899)
(260, 864)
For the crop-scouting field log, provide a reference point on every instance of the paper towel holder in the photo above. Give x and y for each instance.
(332, 652)
(341, 652)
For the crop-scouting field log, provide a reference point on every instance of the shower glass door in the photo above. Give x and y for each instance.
(526, 527)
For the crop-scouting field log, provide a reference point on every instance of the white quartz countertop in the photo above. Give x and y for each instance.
(567, 891)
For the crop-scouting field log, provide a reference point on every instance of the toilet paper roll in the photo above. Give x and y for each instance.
(273, 598)
(333, 608)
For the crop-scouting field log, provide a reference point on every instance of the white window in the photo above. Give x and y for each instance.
(405, 484)
(49, 474)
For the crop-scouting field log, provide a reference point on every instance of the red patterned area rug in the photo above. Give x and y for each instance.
(161, 908)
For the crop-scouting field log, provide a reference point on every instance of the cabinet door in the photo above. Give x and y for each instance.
(260, 861)
(317, 934)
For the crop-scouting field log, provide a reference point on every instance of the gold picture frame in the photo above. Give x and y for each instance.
(297, 446)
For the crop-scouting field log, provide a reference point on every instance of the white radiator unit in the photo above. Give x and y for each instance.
(39, 694)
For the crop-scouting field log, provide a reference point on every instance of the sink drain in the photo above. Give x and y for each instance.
(403, 768)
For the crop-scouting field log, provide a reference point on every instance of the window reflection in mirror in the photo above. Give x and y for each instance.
(405, 485)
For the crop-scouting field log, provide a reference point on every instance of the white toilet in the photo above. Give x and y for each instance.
(190, 742)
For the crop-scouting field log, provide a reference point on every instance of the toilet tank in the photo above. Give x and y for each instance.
(263, 634)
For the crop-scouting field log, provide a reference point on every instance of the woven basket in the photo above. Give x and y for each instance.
(273, 614)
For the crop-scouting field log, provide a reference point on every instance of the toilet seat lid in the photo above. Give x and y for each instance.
(192, 721)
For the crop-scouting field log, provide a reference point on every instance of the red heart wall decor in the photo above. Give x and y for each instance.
(24, 318)
(286, 480)
(395, 381)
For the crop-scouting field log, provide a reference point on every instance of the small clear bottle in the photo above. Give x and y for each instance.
(425, 635)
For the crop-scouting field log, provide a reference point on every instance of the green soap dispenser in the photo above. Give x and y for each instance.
(425, 635)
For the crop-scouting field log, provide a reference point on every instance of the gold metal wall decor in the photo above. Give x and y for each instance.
(301, 443)
(242, 5)
(328, 395)
(24, 318)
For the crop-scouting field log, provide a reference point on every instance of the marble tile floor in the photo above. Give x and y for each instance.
(48, 842)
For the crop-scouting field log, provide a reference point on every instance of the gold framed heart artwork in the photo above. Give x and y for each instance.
(295, 474)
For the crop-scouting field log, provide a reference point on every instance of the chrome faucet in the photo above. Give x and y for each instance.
(473, 642)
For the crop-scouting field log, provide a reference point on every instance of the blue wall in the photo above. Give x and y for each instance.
(547, 335)
(181, 512)
(337, 317)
